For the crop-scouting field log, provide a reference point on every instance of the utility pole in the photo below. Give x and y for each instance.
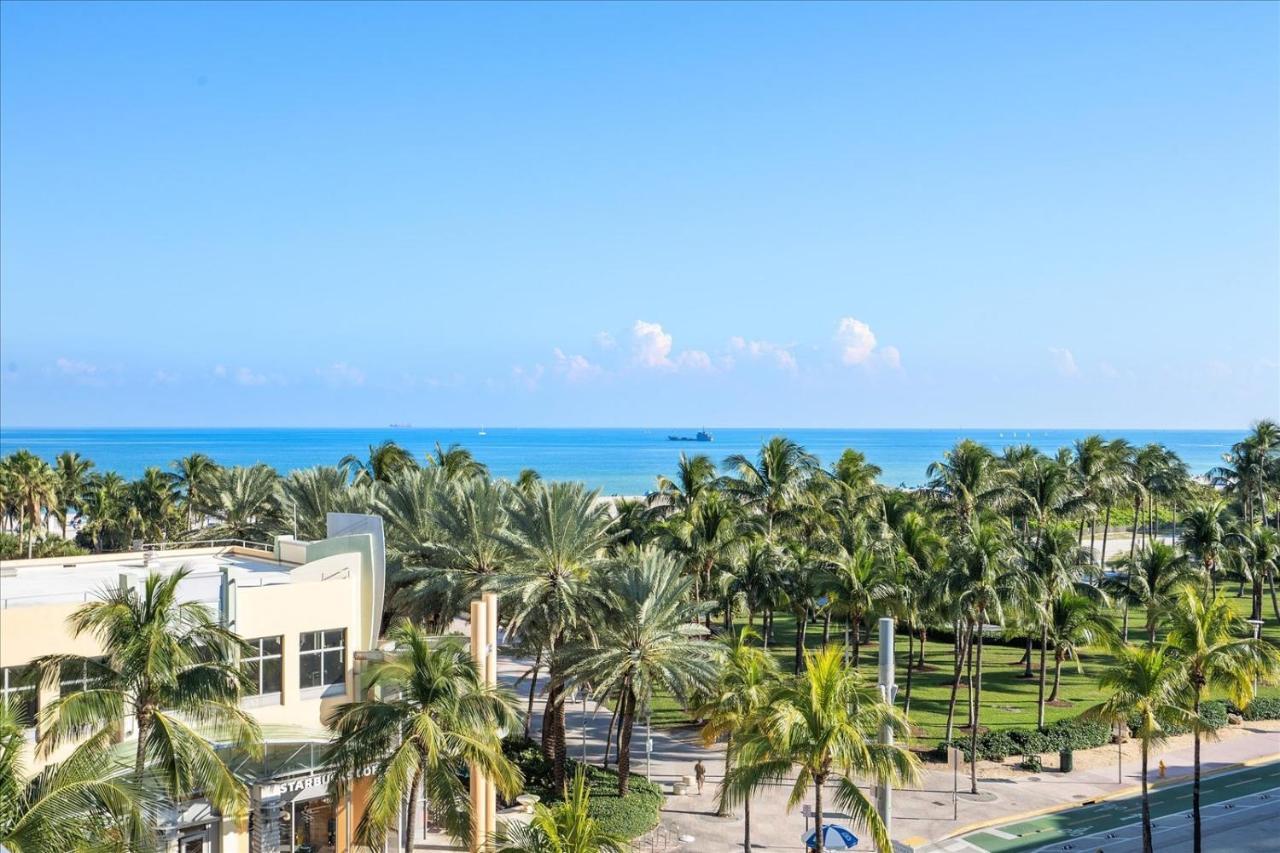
(889, 690)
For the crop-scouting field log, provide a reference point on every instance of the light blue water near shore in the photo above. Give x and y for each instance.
(617, 461)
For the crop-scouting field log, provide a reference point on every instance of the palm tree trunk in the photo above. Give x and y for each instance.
(608, 738)
(721, 811)
(1195, 777)
(802, 625)
(826, 628)
(855, 627)
(411, 813)
(1044, 643)
(140, 755)
(1026, 657)
(624, 747)
(1257, 595)
(1106, 528)
(1057, 674)
(533, 689)
(955, 684)
(911, 638)
(1093, 530)
(1275, 604)
(1146, 804)
(969, 665)
(746, 824)
(977, 711)
(924, 635)
(818, 781)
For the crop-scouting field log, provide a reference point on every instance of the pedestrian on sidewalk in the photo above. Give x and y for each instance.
(700, 774)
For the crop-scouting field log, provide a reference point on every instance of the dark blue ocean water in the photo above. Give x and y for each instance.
(617, 461)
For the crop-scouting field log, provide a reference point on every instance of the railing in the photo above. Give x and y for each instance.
(79, 597)
(207, 543)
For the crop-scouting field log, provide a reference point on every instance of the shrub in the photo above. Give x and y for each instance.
(630, 816)
(12, 548)
(1031, 762)
(1260, 709)
(1073, 734)
(1213, 712)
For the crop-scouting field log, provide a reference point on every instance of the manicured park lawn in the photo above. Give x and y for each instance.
(1008, 699)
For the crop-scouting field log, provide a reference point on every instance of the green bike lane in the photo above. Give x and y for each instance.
(1034, 833)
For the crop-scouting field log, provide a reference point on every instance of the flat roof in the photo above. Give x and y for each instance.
(24, 583)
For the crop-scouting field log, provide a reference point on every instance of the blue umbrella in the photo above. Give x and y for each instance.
(834, 837)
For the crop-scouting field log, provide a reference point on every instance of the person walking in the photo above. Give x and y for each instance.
(700, 774)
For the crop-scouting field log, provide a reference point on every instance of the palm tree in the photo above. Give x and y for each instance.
(703, 538)
(1147, 683)
(677, 495)
(87, 798)
(196, 476)
(1151, 581)
(1077, 620)
(1204, 536)
(755, 575)
(982, 579)
(457, 463)
(1119, 472)
(769, 484)
(246, 505)
(557, 535)
(1215, 647)
(408, 502)
(747, 677)
(566, 827)
(645, 643)
(1247, 469)
(431, 714)
(309, 495)
(72, 473)
(1056, 559)
(172, 668)
(858, 583)
(1255, 552)
(34, 486)
(967, 479)
(105, 504)
(384, 460)
(1094, 470)
(825, 725)
(151, 497)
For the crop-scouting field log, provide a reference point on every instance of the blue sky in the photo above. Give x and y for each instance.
(612, 215)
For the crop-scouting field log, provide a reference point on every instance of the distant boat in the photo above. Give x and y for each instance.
(702, 435)
(482, 432)
(399, 426)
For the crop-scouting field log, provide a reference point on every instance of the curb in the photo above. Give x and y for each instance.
(1112, 795)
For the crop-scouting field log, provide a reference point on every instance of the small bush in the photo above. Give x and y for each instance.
(1260, 709)
(1213, 712)
(12, 548)
(1032, 763)
(1073, 734)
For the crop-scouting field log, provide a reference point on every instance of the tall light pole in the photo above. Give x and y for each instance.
(1257, 636)
(889, 690)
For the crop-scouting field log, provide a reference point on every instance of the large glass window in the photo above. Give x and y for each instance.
(322, 658)
(78, 675)
(263, 665)
(18, 690)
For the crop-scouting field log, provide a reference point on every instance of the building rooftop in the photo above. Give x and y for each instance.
(69, 580)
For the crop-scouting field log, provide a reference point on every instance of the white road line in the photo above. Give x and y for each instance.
(1000, 833)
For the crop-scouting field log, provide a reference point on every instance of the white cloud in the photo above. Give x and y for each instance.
(652, 346)
(164, 377)
(528, 377)
(70, 367)
(856, 340)
(605, 341)
(780, 354)
(890, 357)
(340, 374)
(575, 368)
(245, 376)
(1064, 362)
(694, 359)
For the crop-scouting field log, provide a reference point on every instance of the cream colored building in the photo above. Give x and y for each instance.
(309, 610)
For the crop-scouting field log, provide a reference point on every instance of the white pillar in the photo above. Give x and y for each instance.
(889, 690)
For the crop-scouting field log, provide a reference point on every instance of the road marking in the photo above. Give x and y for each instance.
(998, 833)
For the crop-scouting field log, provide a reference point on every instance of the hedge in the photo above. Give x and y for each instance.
(1260, 709)
(1212, 711)
(630, 816)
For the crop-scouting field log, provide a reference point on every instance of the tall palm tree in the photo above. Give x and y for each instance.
(1076, 621)
(968, 478)
(755, 576)
(86, 799)
(645, 643)
(825, 726)
(172, 668)
(72, 473)
(1204, 536)
(456, 462)
(703, 539)
(1146, 683)
(151, 497)
(565, 827)
(1057, 561)
(431, 714)
(677, 495)
(105, 504)
(408, 503)
(34, 486)
(858, 583)
(384, 460)
(1118, 482)
(984, 578)
(1217, 650)
(768, 484)
(309, 495)
(1151, 580)
(246, 505)
(196, 476)
(1255, 552)
(557, 535)
(748, 675)
(1094, 471)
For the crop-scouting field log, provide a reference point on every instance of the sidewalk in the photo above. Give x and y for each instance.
(920, 816)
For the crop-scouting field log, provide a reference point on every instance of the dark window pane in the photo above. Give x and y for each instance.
(28, 704)
(309, 671)
(72, 670)
(252, 672)
(271, 679)
(309, 640)
(270, 645)
(333, 639)
(334, 671)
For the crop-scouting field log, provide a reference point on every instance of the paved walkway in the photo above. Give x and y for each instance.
(921, 816)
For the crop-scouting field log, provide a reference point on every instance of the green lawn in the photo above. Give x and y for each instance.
(1008, 699)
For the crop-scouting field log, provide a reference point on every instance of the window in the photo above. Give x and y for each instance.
(263, 665)
(18, 689)
(322, 658)
(77, 675)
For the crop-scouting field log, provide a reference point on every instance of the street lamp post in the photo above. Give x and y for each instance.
(1257, 636)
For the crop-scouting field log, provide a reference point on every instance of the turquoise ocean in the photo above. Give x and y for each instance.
(616, 461)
